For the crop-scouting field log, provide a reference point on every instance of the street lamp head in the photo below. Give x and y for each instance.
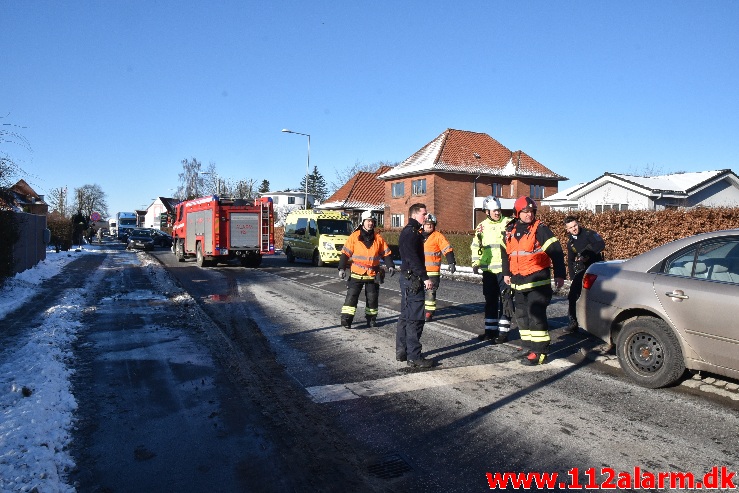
(286, 130)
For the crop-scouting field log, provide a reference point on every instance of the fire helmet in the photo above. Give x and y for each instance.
(430, 218)
(367, 215)
(524, 203)
(491, 203)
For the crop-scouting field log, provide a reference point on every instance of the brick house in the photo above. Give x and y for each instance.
(363, 192)
(453, 173)
(22, 198)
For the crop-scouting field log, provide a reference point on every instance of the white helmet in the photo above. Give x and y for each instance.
(367, 215)
(491, 203)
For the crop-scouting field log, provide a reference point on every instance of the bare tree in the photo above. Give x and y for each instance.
(89, 199)
(9, 167)
(245, 189)
(191, 182)
(57, 200)
(343, 176)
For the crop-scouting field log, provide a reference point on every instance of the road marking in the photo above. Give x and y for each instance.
(425, 380)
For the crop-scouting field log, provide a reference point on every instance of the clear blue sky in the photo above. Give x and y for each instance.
(118, 93)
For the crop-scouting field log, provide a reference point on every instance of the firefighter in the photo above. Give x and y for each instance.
(488, 250)
(364, 249)
(532, 250)
(435, 245)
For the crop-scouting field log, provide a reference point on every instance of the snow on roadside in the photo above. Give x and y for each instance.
(36, 402)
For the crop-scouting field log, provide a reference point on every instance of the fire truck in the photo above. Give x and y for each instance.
(214, 230)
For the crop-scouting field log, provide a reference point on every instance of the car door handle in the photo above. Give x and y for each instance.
(677, 295)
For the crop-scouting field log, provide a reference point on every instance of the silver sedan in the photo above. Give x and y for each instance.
(671, 308)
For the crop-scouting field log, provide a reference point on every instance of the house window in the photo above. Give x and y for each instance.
(497, 190)
(398, 189)
(397, 220)
(610, 207)
(419, 187)
(291, 200)
(536, 191)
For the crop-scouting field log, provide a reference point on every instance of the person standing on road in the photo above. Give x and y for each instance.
(488, 250)
(584, 248)
(435, 245)
(413, 282)
(364, 248)
(532, 250)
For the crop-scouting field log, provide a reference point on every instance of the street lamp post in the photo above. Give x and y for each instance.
(307, 167)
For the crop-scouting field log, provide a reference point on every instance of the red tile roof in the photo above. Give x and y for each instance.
(362, 191)
(462, 151)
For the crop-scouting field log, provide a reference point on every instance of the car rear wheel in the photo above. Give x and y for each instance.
(649, 352)
(290, 256)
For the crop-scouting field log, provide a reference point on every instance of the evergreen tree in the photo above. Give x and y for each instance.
(316, 185)
(264, 187)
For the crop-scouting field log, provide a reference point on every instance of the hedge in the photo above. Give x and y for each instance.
(627, 233)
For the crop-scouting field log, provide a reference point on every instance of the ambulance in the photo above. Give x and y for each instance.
(315, 235)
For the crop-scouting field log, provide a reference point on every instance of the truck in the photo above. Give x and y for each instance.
(214, 229)
(126, 222)
(112, 231)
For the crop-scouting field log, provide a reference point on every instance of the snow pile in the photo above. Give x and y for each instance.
(36, 402)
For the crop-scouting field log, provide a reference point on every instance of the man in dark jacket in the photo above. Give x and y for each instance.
(413, 283)
(584, 247)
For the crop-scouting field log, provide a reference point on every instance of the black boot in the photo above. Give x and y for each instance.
(371, 322)
(502, 337)
(572, 326)
(488, 335)
(346, 322)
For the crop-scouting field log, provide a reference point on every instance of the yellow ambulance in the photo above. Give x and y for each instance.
(316, 235)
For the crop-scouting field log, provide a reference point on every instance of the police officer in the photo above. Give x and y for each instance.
(413, 282)
(584, 248)
(488, 250)
(532, 249)
(364, 248)
(435, 245)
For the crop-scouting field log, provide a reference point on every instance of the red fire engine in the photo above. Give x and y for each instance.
(214, 229)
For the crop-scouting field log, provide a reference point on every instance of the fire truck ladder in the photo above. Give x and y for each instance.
(265, 226)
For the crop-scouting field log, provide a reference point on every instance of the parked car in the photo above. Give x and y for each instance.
(671, 308)
(161, 238)
(140, 239)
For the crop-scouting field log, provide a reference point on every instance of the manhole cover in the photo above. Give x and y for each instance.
(390, 466)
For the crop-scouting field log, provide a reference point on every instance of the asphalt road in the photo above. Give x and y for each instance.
(477, 412)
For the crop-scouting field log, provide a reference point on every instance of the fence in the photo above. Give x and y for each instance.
(30, 248)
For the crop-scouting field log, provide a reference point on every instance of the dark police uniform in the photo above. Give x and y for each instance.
(583, 250)
(413, 275)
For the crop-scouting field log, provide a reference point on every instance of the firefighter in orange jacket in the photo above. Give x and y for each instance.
(532, 250)
(364, 248)
(435, 245)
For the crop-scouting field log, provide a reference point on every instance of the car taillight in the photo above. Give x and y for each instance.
(588, 280)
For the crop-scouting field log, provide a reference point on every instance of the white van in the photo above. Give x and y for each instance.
(317, 236)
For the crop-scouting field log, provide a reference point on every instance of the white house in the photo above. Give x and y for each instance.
(292, 198)
(613, 191)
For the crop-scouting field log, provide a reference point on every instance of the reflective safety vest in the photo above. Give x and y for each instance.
(365, 261)
(526, 257)
(434, 246)
(486, 245)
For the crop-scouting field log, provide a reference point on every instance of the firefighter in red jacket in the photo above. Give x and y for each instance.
(365, 248)
(435, 245)
(532, 250)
